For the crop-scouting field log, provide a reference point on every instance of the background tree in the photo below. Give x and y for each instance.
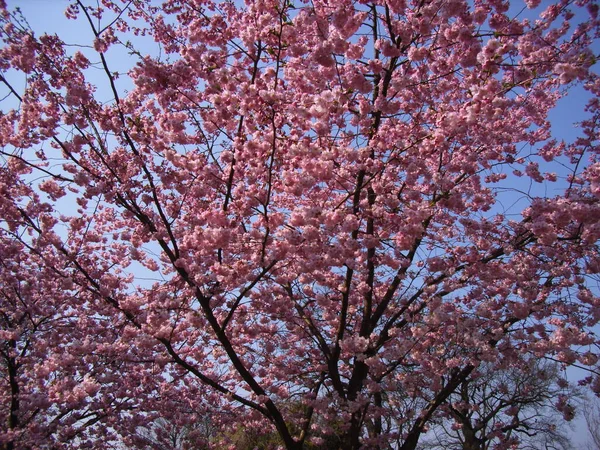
(591, 412)
(309, 203)
(162, 434)
(500, 405)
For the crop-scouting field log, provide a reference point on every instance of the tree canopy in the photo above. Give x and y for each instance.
(312, 221)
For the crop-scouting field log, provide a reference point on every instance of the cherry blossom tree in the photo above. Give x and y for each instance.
(315, 219)
(54, 385)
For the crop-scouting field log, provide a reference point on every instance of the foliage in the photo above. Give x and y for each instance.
(352, 206)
